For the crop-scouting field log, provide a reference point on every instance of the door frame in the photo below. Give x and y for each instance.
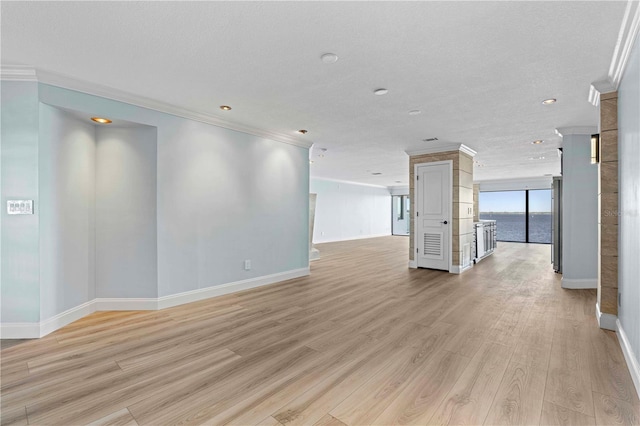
(416, 202)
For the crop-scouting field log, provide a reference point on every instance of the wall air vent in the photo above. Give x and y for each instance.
(430, 139)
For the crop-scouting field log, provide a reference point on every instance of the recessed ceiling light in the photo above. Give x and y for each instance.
(225, 107)
(329, 58)
(536, 158)
(101, 120)
(414, 112)
(303, 131)
(310, 161)
(549, 101)
(380, 92)
(537, 142)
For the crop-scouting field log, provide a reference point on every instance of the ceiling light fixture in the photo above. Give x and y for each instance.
(380, 92)
(536, 158)
(310, 161)
(329, 58)
(414, 112)
(101, 120)
(225, 107)
(549, 101)
(537, 142)
(303, 131)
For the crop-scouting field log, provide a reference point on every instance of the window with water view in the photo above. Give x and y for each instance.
(521, 216)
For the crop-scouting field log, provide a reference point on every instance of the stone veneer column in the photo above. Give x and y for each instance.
(608, 210)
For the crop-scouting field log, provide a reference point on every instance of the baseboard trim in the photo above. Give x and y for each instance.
(413, 264)
(126, 304)
(359, 237)
(67, 317)
(455, 269)
(629, 356)
(20, 330)
(205, 293)
(577, 284)
(40, 329)
(606, 321)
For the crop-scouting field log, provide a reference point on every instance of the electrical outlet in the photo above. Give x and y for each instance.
(247, 265)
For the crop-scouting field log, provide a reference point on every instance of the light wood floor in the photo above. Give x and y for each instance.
(363, 340)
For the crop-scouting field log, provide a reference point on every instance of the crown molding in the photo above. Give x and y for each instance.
(350, 182)
(629, 29)
(442, 147)
(576, 130)
(18, 73)
(22, 73)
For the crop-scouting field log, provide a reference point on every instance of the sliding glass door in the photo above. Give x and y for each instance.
(521, 216)
(540, 216)
(508, 209)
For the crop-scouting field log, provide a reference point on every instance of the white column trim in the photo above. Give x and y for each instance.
(630, 357)
(606, 321)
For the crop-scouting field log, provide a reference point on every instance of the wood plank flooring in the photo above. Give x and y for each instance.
(363, 340)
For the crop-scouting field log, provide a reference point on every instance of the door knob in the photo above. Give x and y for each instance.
(445, 222)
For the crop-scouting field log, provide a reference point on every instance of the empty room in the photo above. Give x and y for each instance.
(320, 213)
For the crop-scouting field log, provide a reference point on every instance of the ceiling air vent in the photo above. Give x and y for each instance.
(430, 139)
(376, 173)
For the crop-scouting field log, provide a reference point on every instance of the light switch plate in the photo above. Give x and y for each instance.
(19, 206)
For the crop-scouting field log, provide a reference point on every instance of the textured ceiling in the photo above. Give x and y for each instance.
(478, 71)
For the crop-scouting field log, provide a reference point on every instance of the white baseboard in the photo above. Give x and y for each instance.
(413, 264)
(629, 356)
(205, 293)
(126, 304)
(20, 330)
(606, 321)
(359, 237)
(40, 329)
(455, 269)
(314, 254)
(577, 284)
(67, 317)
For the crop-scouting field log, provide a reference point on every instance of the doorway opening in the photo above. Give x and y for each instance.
(400, 214)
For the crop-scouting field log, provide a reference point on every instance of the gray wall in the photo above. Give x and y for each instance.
(346, 211)
(20, 236)
(220, 197)
(580, 210)
(629, 193)
(67, 211)
(126, 237)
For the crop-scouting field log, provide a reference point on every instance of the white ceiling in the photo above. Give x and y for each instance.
(478, 71)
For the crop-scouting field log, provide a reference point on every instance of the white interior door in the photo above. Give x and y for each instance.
(433, 215)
